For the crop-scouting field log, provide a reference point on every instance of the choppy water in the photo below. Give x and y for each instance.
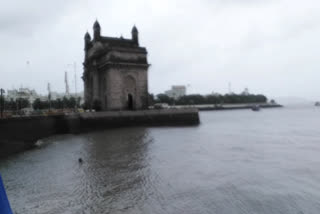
(234, 162)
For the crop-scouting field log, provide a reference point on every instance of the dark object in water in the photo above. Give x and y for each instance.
(317, 104)
(80, 160)
(255, 108)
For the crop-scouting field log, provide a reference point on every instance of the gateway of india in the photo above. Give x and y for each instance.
(115, 72)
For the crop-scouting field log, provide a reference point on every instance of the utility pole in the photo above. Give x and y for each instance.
(66, 83)
(75, 84)
(229, 87)
(75, 81)
(49, 95)
(1, 101)
(75, 77)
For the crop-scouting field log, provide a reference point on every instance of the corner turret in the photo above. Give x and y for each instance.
(87, 36)
(96, 31)
(87, 44)
(87, 40)
(135, 35)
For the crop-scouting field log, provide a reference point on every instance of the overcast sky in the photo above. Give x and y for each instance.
(270, 46)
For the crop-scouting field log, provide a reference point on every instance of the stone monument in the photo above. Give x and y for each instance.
(115, 72)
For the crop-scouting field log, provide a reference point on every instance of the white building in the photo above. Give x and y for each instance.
(32, 95)
(245, 92)
(177, 91)
(23, 93)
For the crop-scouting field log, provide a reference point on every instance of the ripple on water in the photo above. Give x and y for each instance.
(234, 162)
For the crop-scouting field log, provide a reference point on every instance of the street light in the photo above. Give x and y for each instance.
(75, 83)
(1, 101)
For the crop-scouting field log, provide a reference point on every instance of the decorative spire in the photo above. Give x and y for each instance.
(96, 25)
(134, 29)
(87, 36)
(96, 30)
(87, 41)
(134, 33)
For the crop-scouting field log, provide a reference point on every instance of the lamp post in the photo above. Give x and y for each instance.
(75, 83)
(1, 101)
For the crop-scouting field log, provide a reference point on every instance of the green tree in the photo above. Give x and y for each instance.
(198, 99)
(10, 105)
(72, 102)
(40, 105)
(163, 98)
(78, 101)
(22, 103)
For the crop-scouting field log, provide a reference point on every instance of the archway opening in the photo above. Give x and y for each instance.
(130, 102)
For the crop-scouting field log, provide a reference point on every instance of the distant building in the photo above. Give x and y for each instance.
(177, 91)
(22, 93)
(31, 95)
(245, 92)
(115, 71)
(215, 94)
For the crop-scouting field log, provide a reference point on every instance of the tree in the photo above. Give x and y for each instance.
(65, 102)
(57, 104)
(37, 104)
(22, 103)
(10, 105)
(198, 99)
(163, 98)
(191, 99)
(40, 105)
(78, 101)
(72, 102)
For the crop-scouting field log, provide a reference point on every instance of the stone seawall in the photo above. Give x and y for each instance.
(163, 117)
(17, 134)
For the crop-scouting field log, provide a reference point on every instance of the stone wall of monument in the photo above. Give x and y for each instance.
(118, 90)
(125, 56)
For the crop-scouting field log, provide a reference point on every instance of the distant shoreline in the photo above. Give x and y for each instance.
(212, 107)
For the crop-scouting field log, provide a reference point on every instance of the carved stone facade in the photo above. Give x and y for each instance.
(115, 72)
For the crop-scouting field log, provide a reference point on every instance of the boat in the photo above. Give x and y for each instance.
(255, 108)
(317, 104)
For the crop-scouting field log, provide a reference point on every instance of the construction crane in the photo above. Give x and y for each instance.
(49, 95)
(66, 83)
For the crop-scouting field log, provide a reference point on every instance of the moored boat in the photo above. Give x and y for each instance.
(255, 108)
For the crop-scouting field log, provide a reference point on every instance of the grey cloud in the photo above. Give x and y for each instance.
(22, 18)
(203, 43)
